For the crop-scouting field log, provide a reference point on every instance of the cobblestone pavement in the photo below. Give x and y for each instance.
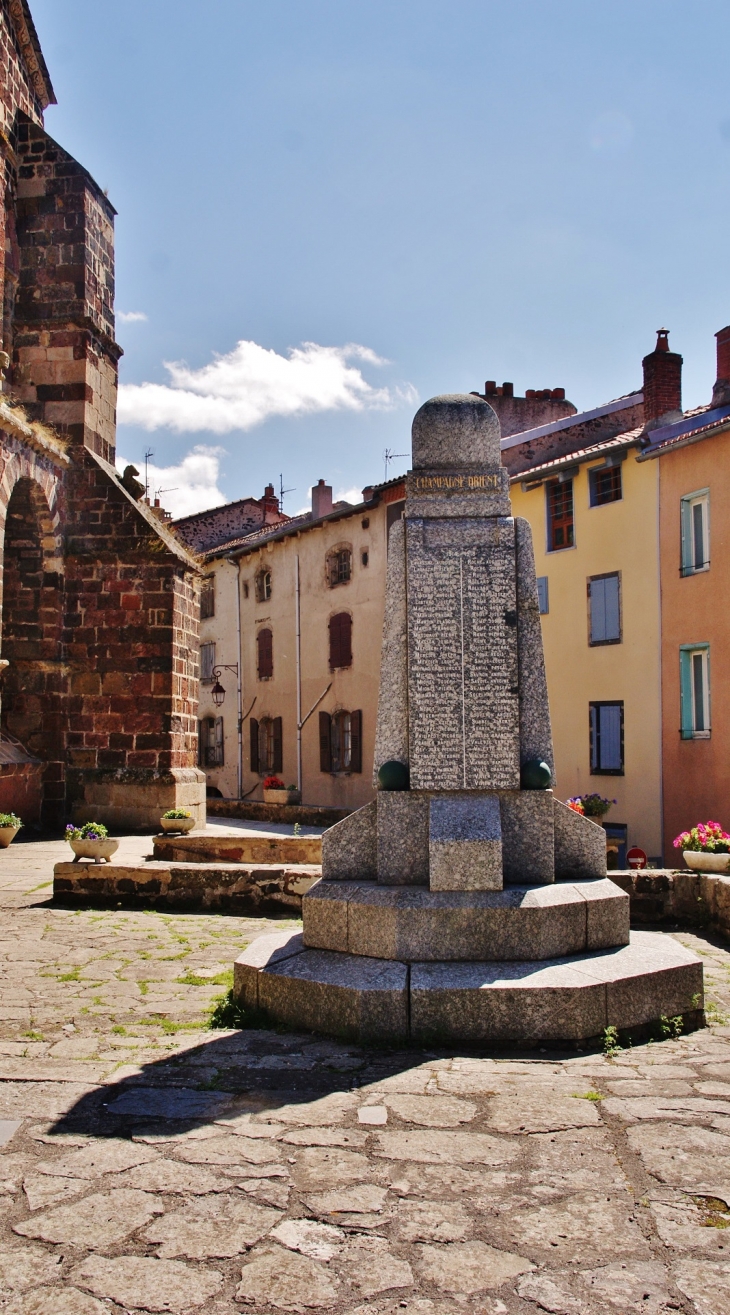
(150, 1164)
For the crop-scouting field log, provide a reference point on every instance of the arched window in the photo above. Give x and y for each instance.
(265, 654)
(340, 629)
(339, 566)
(263, 585)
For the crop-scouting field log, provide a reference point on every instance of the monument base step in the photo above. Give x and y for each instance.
(413, 923)
(573, 998)
(213, 887)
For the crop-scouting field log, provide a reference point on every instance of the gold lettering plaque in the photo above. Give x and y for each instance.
(454, 483)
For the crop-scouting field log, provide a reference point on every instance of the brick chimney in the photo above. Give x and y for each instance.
(321, 499)
(662, 384)
(721, 391)
(269, 505)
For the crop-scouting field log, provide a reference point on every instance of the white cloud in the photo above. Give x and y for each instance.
(131, 316)
(348, 495)
(251, 383)
(190, 486)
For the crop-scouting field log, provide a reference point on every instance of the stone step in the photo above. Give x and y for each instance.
(565, 999)
(224, 887)
(305, 814)
(414, 923)
(198, 848)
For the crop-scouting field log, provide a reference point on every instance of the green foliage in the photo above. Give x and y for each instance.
(89, 831)
(587, 1095)
(226, 1012)
(10, 819)
(670, 1027)
(175, 814)
(611, 1043)
(190, 978)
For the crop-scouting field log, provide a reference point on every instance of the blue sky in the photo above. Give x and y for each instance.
(466, 189)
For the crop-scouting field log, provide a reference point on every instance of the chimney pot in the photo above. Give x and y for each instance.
(508, 390)
(530, 392)
(558, 394)
(490, 387)
(662, 384)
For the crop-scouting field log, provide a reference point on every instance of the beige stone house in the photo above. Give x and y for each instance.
(291, 626)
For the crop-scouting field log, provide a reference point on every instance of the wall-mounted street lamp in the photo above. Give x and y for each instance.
(218, 693)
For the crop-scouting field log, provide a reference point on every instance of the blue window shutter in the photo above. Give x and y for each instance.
(685, 693)
(594, 738)
(610, 732)
(611, 599)
(598, 611)
(685, 514)
(542, 594)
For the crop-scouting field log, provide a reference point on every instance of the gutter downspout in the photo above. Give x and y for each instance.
(297, 617)
(236, 561)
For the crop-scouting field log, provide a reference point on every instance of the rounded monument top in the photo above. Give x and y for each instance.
(457, 429)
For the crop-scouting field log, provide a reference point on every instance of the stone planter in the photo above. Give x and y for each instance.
(282, 797)
(99, 850)
(177, 823)
(699, 862)
(7, 833)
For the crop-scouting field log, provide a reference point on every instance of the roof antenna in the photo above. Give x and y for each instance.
(149, 453)
(282, 491)
(389, 456)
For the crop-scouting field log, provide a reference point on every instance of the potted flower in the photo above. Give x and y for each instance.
(10, 825)
(591, 805)
(706, 848)
(177, 819)
(275, 792)
(91, 840)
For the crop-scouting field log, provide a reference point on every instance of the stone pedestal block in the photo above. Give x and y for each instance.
(391, 735)
(402, 838)
(465, 843)
(134, 804)
(580, 845)
(528, 837)
(349, 850)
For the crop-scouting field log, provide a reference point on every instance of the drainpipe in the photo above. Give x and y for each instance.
(297, 616)
(236, 561)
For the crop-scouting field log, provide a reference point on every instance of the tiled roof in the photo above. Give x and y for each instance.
(295, 525)
(631, 438)
(695, 424)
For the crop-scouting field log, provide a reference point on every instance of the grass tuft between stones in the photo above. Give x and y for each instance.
(226, 1012)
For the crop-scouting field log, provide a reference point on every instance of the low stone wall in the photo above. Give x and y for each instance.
(238, 888)
(663, 895)
(253, 812)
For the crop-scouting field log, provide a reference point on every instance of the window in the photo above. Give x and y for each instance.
(694, 670)
(560, 515)
(210, 742)
(617, 843)
(339, 567)
(266, 745)
(607, 739)
(265, 654)
(604, 483)
(695, 526)
(340, 631)
(604, 609)
(340, 741)
(207, 662)
(543, 597)
(364, 557)
(263, 586)
(207, 597)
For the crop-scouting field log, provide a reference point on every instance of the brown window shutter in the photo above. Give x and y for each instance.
(278, 763)
(265, 656)
(325, 743)
(254, 729)
(340, 627)
(356, 741)
(219, 741)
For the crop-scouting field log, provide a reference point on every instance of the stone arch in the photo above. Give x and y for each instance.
(34, 682)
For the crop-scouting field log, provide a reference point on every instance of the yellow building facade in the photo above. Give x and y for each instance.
(601, 622)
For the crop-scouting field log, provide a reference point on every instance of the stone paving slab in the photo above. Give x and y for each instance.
(148, 1163)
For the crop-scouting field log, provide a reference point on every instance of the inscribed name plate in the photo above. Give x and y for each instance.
(462, 647)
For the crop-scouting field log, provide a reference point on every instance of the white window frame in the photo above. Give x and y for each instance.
(692, 655)
(699, 499)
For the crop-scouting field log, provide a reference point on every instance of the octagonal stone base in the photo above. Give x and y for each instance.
(413, 923)
(566, 999)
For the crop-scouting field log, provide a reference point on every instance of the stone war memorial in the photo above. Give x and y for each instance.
(465, 903)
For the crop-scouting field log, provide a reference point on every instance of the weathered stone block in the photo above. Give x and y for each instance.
(528, 837)
(402, 838)
(264, 952)
(342, 994)
(536, 740)
(324, 915)
(349, 850)
(580, 845)
(391, 735)
(465, 843)
(607, 914)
